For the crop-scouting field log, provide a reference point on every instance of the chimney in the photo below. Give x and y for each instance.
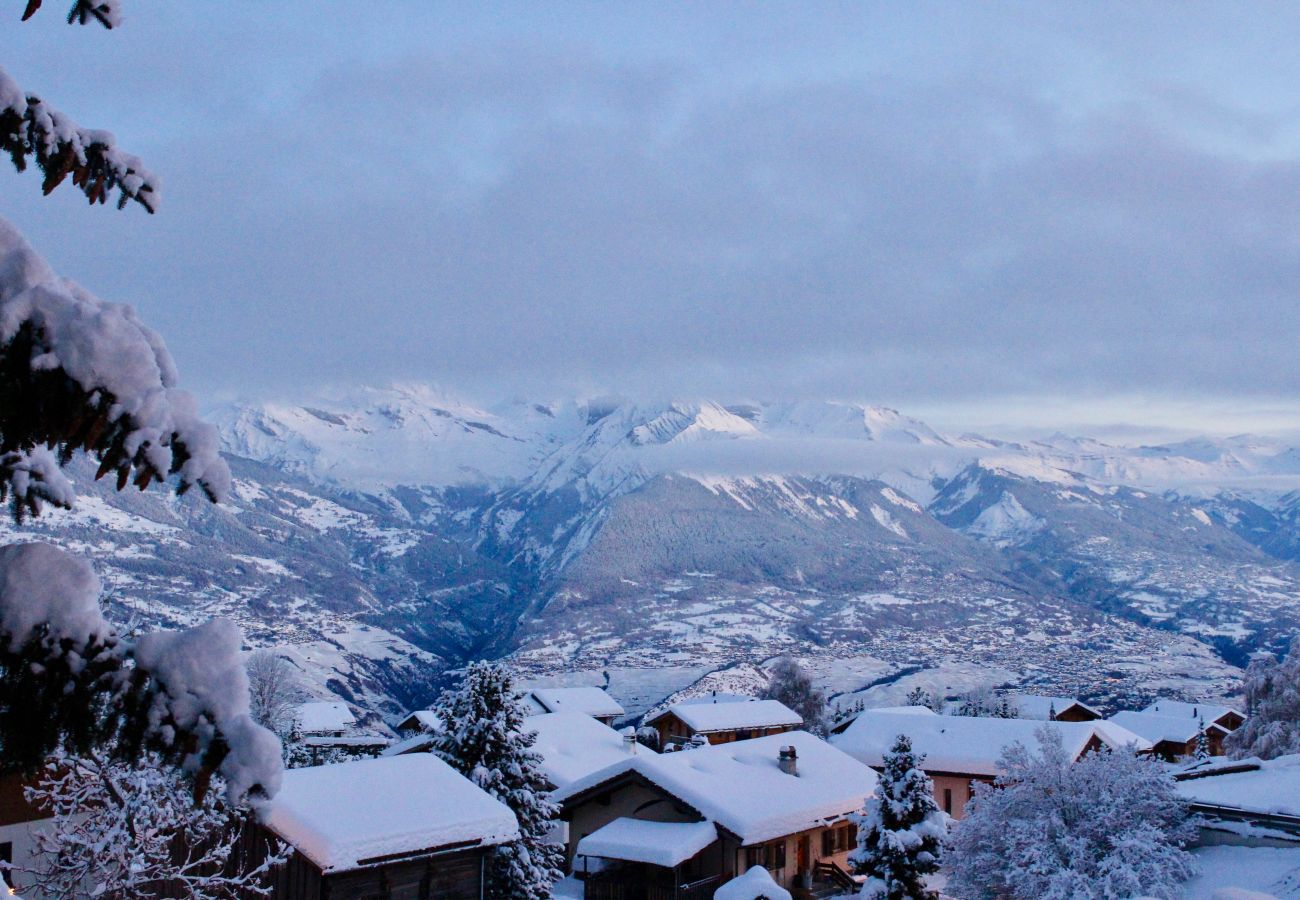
(788, 761)
(629, 741)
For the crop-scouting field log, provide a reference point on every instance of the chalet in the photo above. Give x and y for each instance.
(590, 700)
(1172, 737)
(574, 745)
(683, 823)
(960, 751)
(420, 721)
(1225, 717)
(1055, 709)
(324, 718)
(1248, 801)
(18, 818)
(721, 721)
(326, 728)
(409, 826)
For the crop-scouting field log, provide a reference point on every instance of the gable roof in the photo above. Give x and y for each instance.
(423, 719)
(353, 814)
(964, 744)
(590, 700)
(573, 745)
(709, 718)
(1157, 728)
(1181, 708)
(1040, 706)
(325, 715)
(740, 787)
(1252, 785)
(664, 844)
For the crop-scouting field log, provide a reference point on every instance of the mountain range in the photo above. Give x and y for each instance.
(382, 538)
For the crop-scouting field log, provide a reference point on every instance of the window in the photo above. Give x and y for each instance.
(947, 800)
(776, 860)
(828, 842)
(755, 856)
(839, 840)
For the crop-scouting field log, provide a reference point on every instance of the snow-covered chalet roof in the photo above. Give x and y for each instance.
(1157, 728)
(422, 719)
(739, 786)
(590, 700)
(1265, 786)
(1040, 707)
(964, 744)
(664, 844)
(1182, 709)
(325, 715)
(344, 816)
(755, 884)
(707, 718)
(573, 745)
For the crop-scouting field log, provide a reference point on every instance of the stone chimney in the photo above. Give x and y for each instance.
(629, 741)
(788, 761)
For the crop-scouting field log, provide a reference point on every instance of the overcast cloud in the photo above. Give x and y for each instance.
(952, 206)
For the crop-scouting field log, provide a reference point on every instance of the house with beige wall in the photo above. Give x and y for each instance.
(692, 820)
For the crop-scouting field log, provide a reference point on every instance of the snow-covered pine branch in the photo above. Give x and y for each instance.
(67, 679)
(106, 12)
(30, 129)
(1109, 826)
(133, 829)
(484, 740)
(77, 373)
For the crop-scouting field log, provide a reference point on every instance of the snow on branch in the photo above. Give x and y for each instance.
(68, 679)
(77, 373)
(106, 12)
(29, 128)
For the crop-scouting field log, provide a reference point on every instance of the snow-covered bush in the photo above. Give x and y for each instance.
(1272, 690)
(1111, 825)
(900, 831)
(986, 704)
(134, 830)
(791, 684)
(484, 739)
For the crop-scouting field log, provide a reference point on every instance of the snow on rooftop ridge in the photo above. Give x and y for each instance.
(963, 744)
(339, 816)
(740, 787)
(706, 718)
(1041, 706)
(593, 701)
(1157, 728)
(1273, 787)
(573, 745)
(666, 844)
(1207, 711)
(325, 715)
(756, 884)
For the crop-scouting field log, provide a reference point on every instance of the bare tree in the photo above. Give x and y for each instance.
(273, 692)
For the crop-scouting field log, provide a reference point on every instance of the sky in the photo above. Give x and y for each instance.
(1033, 215)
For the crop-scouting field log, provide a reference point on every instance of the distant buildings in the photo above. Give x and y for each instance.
(326, 730)
(1059, 709)
(592, 701)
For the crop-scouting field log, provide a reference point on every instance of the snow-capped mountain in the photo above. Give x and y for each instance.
(385, 536)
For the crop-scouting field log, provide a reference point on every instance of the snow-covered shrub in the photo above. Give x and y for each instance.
(900, 831)
(134, 830)
(484, 739)
(1272, 691)
(984, 703)
(791, 684)
(1111, 825)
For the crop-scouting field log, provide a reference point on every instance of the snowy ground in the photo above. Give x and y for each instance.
(1246, 873)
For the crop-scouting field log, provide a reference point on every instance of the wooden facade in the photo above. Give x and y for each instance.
(673, 730)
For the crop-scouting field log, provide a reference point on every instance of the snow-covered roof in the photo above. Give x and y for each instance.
(740, 787)
(423, 719)
(664, 844)
(1183, 709)
(325, 715)
(706, 718)
(590, 700)
(1156, 728)
(963, 744)
(344, 816)
(755, 884)
(1040, 707)
(1268, 786)
(421, 742)
(573, 744)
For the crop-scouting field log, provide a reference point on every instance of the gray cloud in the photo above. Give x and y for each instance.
(943, 207)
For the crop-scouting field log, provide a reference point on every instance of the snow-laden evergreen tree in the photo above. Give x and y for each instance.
(484, 739)
(1202, 742)
(791, 684)
(134, 830)
(1109, 826)
(919, 696)
(1272, 691)
(900, 831)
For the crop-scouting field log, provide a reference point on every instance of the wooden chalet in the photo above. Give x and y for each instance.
(1172, 737)
(720, 721)
(1055, 709)
(591, 701)
(407, 827)
(676, 826)
(1225, 717)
